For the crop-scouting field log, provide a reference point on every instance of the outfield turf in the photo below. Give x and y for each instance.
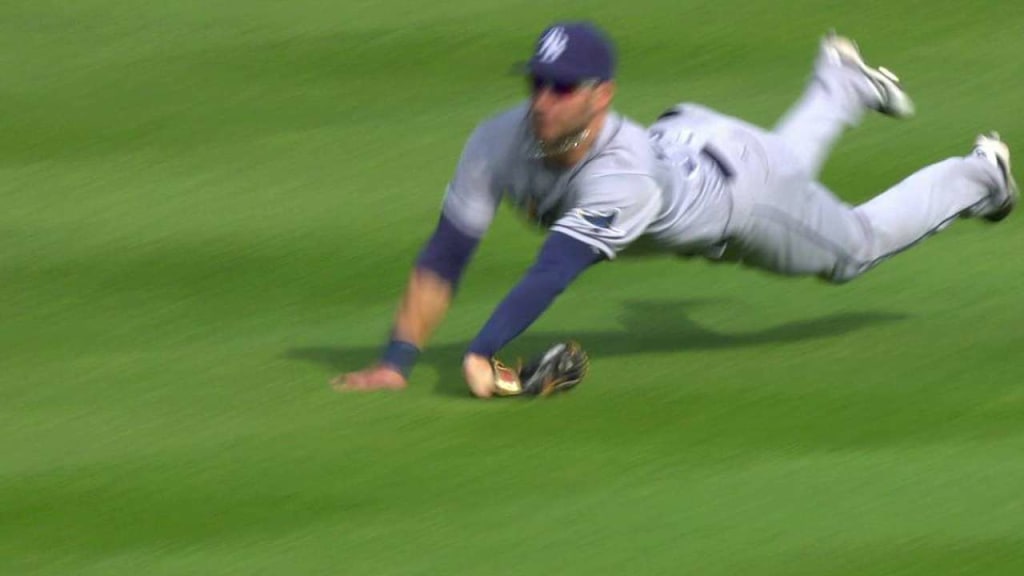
(209, 209)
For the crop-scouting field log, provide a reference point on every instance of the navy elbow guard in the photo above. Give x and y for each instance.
(447, 252)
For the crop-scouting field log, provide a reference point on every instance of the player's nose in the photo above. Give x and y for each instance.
(542, 98)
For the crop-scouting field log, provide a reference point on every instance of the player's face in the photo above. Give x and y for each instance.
(558, 110)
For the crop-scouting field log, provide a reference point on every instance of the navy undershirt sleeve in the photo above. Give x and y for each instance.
(561, 260)
(448, 251)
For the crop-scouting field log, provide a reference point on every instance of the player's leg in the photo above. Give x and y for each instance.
(841, 89)
(812, 232)
(979, 185)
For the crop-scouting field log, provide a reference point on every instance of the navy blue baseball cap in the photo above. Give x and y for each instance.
(572, 52)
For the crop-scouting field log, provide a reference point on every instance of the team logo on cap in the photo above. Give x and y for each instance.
(552, 45)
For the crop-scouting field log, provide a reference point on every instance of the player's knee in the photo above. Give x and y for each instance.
(836, 280)
(846, 271)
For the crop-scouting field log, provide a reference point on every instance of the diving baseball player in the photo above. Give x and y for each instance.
(696, 182)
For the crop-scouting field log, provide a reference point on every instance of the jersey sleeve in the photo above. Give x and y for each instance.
(473, 193)
(612, 211)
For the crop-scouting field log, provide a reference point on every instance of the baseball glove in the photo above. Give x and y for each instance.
(558, 369)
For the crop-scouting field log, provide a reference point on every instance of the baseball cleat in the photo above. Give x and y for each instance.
(892, 99)
(994, 150)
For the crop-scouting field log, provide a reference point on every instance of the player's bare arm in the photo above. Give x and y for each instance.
(422, 308)
(429, 293)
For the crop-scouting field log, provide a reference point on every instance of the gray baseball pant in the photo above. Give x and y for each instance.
(785, 221)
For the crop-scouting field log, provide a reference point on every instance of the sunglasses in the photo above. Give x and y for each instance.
(559, 88)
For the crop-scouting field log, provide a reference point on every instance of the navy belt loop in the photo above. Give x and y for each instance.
(716, 157)
(670, 113)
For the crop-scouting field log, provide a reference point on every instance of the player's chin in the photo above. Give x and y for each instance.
(546, 133)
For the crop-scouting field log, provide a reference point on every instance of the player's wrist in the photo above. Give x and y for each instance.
(400, 355)
(481, 348)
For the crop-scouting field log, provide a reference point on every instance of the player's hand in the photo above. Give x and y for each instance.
(479, 374)
(377, 377)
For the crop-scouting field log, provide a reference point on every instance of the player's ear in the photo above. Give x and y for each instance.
(603, 94)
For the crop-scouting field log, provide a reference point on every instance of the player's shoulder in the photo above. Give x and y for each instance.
(505, 125)
(622, 168)
(496, 136)
(623, 148)
(629, 136)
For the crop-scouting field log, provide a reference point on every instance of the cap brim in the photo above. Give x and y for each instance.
(546, 71)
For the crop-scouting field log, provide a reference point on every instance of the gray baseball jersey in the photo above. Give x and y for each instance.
(628, 186)
(668, 184)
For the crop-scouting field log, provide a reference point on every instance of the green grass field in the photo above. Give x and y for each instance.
(209, 210)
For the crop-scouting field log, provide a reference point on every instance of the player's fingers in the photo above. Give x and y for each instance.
(348, 381)
(363, 382)
(356, 386)
(382, 382)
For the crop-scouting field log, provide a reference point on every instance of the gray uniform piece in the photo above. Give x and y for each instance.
(785, 221)
(622, 190)
(700, 182)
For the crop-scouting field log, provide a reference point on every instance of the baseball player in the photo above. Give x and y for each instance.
(696, 182)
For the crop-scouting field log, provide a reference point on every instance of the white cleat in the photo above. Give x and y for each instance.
(892, 99)
(993, 149)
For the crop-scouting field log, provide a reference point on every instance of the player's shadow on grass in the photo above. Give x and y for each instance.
(648, 327)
